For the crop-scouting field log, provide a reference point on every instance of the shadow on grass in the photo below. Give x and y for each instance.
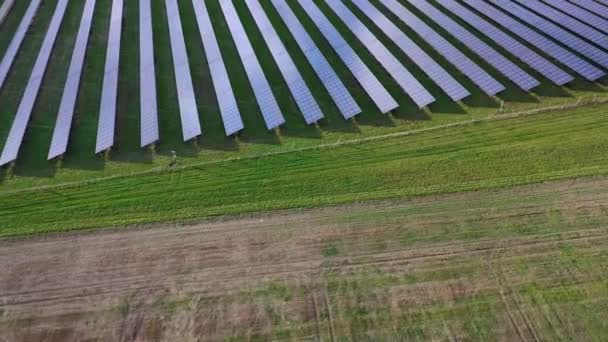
(145, 156)
(548, 89)
(418, 115)
(446, 105)
(515, 94)
(582, 85)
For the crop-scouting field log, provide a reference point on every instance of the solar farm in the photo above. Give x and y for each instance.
(433, 133)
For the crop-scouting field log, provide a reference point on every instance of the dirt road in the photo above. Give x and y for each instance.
(528, 263)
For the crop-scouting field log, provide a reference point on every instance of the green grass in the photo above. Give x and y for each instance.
(480, 155)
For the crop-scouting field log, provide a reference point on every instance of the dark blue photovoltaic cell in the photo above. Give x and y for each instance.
(517, 49)
(332, 83)
(568, 22)
(15, 136)
(389, 62)
(299, 90)
(435, 71)
(570, 40)
(580, 14)
(463, 63)
(521, 78)
(368, 81)
(61, 133)
(5, 8)
(593, 7)
(554, 50)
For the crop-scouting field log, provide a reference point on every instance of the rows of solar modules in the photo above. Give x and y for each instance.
(435, 71)
(553, 30)
(463, 63)
(109, 91)
(59, 143)
(229, 109)
(191, 126)
(261, 88)
(299, 90)
(147, 80)
(517, 49)
(332, 83)
(5, 8)
(15, 136)
(572, 36)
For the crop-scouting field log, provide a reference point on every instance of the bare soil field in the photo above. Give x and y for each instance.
(527, 263)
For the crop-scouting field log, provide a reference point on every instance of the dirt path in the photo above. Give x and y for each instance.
(489, 264)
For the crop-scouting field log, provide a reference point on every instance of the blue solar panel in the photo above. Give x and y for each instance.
(517, 49)
(334, 86)
(70, 90)
(554, 50)
(568, 22)
(580, 14)
(575, 43)
(435, 71)
(5, 8)
(191, 126)
(17, 132)
(147, 88)
(593, 7)
(463, 63)
(15, 44)
(107, 111)
(491, 56)
(299, 90)
(368, 81)
(261, 88)
(393, 66)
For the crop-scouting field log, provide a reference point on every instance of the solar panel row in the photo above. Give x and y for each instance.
(368, 81)
(107, 111)
(299, 90)
(563, 36)
(147, 80)
(580, 14)
(393, 66)
(552, 49)
(490, 55)
(229, 109)
(5, 8)
(15, 44)
(261, 88)
(332, 83)
(191, 126)
(568, 22)
(593, 7)
(70, 91)
(517, 49)
(435, 71)
(463, 63)
(15, 136)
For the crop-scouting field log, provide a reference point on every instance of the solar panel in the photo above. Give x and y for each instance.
(463, 63)
(593, 7)
(580, 14)
(393, 66)
(521, 78)
(261, 88)
(5, 8)
(15, 136)
(223, 89)
(568, 22)
(13, 48)
(147, 81)
(107, 110)
(191, 126)
(577, 44)
(368, 81)
(70, 91)
(517, 49)
(552, 49)
(435, 71)
(334, 86)
(306, 102)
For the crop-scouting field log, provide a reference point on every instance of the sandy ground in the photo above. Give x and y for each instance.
(355, 271)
